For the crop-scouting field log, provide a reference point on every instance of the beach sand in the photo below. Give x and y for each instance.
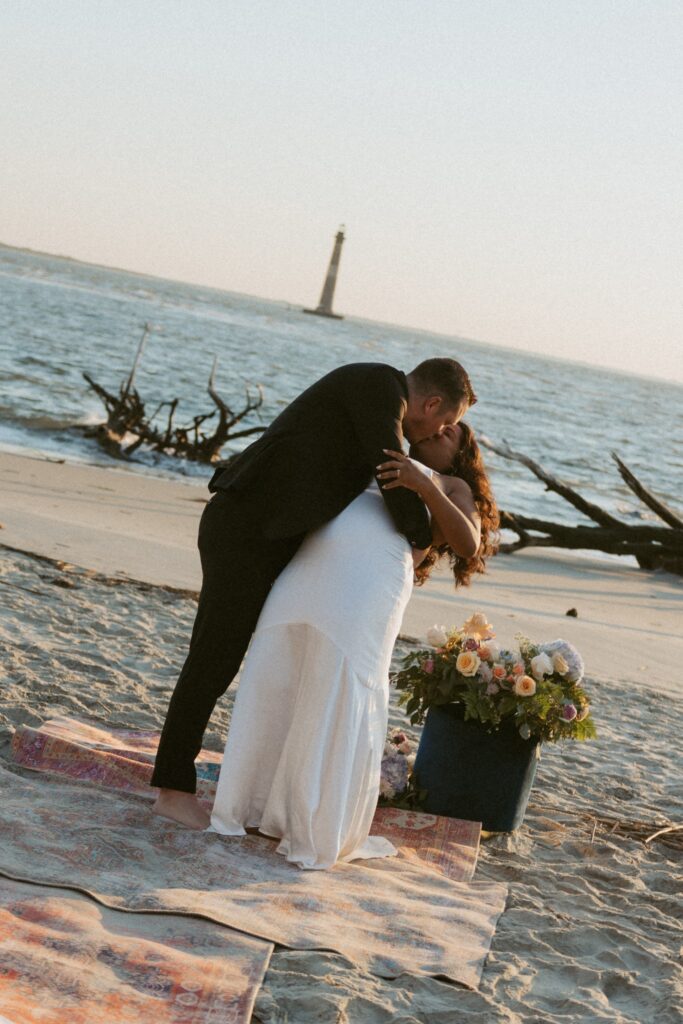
(592, 928)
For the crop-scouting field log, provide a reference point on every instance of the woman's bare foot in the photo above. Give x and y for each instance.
(184, 808)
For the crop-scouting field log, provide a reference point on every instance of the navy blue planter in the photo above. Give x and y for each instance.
(472, 774)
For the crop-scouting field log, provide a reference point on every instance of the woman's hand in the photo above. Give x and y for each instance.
(401, 471)
(455, 519)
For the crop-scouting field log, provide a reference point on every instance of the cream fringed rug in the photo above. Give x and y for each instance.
(390, 916)
(64, 958)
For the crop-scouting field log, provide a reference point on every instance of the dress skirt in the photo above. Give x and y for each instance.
(304, 751)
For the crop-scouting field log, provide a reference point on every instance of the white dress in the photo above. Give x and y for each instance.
(303, 756)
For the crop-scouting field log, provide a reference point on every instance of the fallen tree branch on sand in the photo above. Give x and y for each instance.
(670, 834)
(652, 545)
(129, 427)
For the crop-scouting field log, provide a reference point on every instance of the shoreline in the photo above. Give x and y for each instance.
(132, 526)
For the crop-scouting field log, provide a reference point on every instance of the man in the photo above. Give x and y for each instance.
(310, 463)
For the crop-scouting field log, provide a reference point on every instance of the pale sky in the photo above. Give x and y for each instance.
(507, 171)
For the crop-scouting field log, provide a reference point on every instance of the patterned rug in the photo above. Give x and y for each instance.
(122, 760)
(390, 916)
(64, 958)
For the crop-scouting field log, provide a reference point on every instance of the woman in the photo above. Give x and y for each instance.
(303, 757)
(465, 482)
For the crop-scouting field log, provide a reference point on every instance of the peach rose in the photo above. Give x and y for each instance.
(525, 686)
(499, 671)
(518, 669)
(484, 652)
(467, 663)
(478, 627)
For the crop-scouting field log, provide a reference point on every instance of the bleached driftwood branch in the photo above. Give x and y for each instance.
(653, 546)
(126, 416)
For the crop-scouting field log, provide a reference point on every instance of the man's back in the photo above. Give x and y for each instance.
(322, 450)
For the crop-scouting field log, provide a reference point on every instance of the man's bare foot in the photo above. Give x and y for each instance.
(184, 808)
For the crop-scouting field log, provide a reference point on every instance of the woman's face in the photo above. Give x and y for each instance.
(438, 451)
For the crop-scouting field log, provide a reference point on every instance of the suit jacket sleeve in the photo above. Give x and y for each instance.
(376, 403)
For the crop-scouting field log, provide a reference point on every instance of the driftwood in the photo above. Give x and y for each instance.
(128, 426)
(646, 496)
(652, 545)
(670, 835)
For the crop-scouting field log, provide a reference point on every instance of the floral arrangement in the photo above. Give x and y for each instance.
(536, 686)
(395, 785)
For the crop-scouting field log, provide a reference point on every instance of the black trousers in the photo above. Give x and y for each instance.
(239, 566)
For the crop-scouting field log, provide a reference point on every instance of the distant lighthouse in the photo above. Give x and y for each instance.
(324, 307)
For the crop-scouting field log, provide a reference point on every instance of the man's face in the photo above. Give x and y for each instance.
(427, 417)
(439, 451)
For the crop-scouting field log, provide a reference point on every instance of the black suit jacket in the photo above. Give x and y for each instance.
(323, 450)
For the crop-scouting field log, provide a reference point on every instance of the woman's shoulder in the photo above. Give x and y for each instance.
(454, 484)
(457, 489)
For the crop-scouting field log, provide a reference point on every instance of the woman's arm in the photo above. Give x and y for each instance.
(459, 521)
(449, 500)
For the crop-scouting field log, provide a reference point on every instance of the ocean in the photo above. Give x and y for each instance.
(59, 317)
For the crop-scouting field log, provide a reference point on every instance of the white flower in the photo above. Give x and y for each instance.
(386, 789)
(485, 672)
(541, 666)
(494, 649)
(437, 636)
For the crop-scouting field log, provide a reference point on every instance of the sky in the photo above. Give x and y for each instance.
(507, 170)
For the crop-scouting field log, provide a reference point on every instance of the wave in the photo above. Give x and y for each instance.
(41, 422)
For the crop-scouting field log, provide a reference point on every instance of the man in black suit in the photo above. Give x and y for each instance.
(310, 463)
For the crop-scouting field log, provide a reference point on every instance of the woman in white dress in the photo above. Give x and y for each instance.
(303, 756)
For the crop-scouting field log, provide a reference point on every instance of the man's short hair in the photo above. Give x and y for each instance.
(444, 377)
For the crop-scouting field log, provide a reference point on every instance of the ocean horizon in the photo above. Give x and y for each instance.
(289, 304)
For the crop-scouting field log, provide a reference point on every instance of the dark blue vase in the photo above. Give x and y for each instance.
(473, 774)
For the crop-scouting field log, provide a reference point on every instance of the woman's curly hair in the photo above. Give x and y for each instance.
(468, 464)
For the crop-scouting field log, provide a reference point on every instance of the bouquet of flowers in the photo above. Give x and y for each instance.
(395, 786)
(535, 686)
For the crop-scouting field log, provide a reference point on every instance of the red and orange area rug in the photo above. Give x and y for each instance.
(65, 958)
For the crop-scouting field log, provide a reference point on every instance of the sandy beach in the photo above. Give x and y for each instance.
(96, 579)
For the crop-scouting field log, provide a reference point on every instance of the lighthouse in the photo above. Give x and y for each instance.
(324, 307)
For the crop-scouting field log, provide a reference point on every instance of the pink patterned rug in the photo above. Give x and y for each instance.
(64, 958)
(122, 760)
